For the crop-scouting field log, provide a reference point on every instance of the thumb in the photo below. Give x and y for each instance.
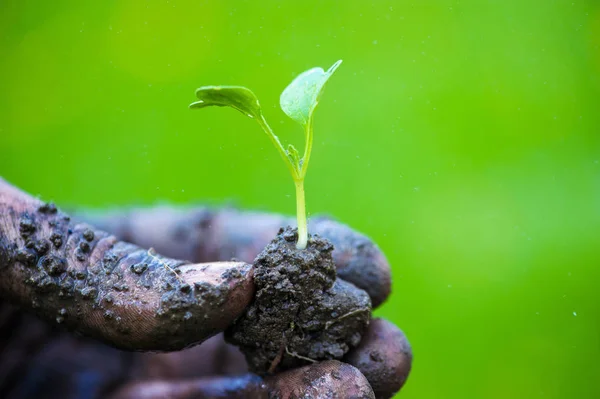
(89, 281)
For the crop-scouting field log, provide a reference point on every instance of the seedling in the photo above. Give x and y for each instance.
(298, 101)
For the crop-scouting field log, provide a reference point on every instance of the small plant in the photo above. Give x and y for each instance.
(298, 101)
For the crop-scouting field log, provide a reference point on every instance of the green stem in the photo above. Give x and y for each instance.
(298, 172)
(307, 146)
(275, 140)
(300, 201)
(301, 215)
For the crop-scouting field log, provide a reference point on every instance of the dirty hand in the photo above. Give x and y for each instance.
(73, 275)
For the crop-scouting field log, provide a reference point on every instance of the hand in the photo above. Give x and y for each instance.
(88, 281)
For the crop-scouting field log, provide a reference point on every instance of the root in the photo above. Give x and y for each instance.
(152, 253)
(294, 354)
(332, 322)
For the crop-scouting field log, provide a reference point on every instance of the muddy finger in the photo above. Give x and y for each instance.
(384, 356)
(89, 281)
(247, 386)
(330, 379)
(204, 234)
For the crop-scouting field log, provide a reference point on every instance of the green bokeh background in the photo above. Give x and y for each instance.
(462, 136)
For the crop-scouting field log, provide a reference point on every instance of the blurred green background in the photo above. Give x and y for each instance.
(462, 136)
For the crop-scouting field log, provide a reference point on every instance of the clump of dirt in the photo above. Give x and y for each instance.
(301, 313)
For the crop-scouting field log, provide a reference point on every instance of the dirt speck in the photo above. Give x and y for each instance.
(56, 240)
(53, 265)
(42, 247)
(109, 262)
(80, 274)
(121, 287)
(139, 268)
(89, 292)
(85, 247)
(185, 288)
(26, 257)
(48, 208)
(26, 226)
(88, 234)
(289, 324)
(109, 298)
(231, 273)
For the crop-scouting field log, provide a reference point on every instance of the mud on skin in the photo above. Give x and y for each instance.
(46, 262)
(206, 234)
(301, 313)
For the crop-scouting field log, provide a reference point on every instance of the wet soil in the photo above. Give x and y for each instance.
(301, 313)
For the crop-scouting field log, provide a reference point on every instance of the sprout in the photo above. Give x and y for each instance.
(298, 101)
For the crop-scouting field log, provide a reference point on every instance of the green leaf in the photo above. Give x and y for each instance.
(293, 154)
(238, 97)
(300, 98)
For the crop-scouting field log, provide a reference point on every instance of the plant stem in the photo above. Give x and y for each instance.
(301, 215)
(298, 172)
(275, 140)
(307, 147)
(300, 201)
